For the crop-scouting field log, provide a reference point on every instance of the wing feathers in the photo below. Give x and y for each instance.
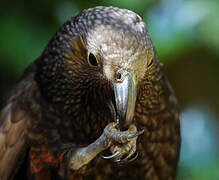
(10, 159)
(12, 140)
(15, 132)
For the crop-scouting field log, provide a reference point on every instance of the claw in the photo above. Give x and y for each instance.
(126, 160)
(117, 160)
(130, 154)
(111, 156)
(134, 158)
(133, 135)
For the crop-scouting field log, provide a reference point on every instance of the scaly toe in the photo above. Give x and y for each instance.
(133, 135)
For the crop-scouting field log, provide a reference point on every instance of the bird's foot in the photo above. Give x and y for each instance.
(123, 143)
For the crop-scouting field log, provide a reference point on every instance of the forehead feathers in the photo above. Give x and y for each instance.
(109, 18)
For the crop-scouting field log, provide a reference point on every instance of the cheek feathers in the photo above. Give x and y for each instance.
(108, 72)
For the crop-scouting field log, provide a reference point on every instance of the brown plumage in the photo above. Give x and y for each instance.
(96, 83)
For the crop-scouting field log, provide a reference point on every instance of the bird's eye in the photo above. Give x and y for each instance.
(92, 60)
(150, 63)
(150, 57)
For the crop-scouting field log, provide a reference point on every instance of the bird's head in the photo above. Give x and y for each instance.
(100, 53)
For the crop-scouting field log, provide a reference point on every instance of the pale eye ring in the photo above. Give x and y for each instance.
(92, 59)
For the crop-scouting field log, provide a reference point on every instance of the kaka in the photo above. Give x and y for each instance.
(95, 105)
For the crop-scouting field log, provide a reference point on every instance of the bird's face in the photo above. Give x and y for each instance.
(123, 58)
(109, 46)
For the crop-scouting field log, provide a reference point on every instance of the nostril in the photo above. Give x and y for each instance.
(118, 76)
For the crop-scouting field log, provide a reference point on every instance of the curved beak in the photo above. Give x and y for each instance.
(125, 97)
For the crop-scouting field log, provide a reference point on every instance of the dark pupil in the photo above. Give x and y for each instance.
(92, 59)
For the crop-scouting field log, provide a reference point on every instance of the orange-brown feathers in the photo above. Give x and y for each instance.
(77, 54)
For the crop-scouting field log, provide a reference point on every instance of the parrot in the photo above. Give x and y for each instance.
(96, 104)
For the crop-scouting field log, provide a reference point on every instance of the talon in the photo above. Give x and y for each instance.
(111, 156)
(134, 158)
(130, 154)
(127, 160)
(133, 135)
(117, 160)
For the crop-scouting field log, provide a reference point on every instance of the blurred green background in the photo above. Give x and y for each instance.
(186, 36)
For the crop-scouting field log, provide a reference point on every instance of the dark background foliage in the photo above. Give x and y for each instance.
(186, 36)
